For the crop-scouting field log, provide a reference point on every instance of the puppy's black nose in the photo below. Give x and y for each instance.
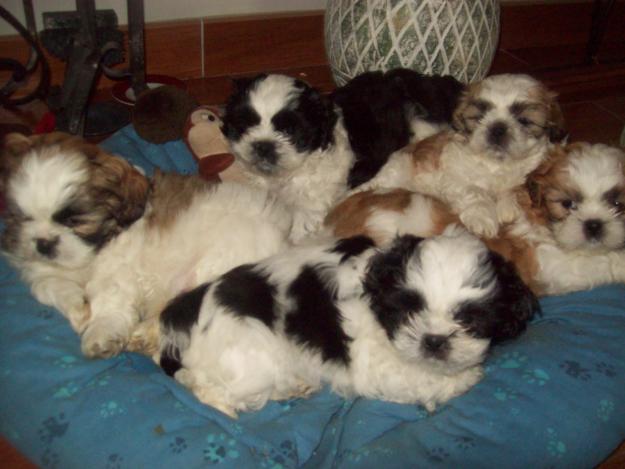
(593, 229)
(47, 247)
(265, 150)
(435, 345)
(498, 134)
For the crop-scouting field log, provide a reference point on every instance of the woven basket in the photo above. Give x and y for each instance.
(444, 37)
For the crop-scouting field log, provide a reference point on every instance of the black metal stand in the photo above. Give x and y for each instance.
(71, 105)
(600, 16)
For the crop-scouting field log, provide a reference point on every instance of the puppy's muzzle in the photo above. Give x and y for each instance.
(265, 155)
(435, 346)
(47, 247)
(593, 229)
(498, 135)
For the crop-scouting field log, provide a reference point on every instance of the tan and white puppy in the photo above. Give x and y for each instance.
(570, 236)
(108, 247)
(503, 128)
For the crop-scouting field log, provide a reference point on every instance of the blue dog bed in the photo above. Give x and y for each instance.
(553, 398)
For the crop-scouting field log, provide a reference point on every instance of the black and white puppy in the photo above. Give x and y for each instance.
(310, 149)
(408, 323)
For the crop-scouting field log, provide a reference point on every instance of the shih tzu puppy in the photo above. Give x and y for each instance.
(310, 149)
(503, 129)
(408, 323)
(570, 236)
(108, 247)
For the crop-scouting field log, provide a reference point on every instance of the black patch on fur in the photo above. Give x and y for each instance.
(309, 120)
(247, 293)
(170, 361)
(315, 320)
(377, 110)
(384, 282)
(353, 246)
(238, 114)
(503, 315)
(182, 312)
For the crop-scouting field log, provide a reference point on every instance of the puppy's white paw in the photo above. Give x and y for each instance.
(508, 209)
(145, 337)
(215, 396)
(78, 316)
(103, 339)
(481, 220)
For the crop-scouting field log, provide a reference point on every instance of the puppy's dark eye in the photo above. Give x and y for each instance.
(524, 121)
(614, 198)
(569, 204)
(71, 221)
(69, 217)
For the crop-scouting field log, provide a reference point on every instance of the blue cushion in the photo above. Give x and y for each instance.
(553, 398)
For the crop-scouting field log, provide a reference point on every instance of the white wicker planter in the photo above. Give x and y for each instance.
(454, 37)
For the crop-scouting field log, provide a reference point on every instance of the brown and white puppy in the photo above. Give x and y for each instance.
(570, 236)
(109, 247)
(503, 129)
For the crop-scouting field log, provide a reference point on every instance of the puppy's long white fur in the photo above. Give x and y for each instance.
(237, 363)
(138, 272)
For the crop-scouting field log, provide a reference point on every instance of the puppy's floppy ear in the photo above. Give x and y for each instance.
(383, 284)
(14, 146)
(318, 109)
(540, 179)
(556, 127)
(117, 185)
(459, 122)
(513, 304)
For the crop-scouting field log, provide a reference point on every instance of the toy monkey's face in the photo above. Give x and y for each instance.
(274, 122)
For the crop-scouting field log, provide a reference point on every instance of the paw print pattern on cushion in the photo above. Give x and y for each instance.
(605, 369)
(438, 454)
(606, 407)
(464, 442)
(52, 428)
(536, 376)
(178, 445)
(555, 447)
(575, 370)
(220, 448)
(114, 461)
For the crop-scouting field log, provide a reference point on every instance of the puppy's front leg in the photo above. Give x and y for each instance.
(477, 211)
(114, 314)
(65, 295)
(564, 271)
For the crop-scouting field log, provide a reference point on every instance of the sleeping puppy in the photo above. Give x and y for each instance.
(409, 323)
(309, 149)
(503, 128)
(570, 236)
(107, 247)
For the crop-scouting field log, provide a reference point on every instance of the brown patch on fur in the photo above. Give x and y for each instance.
(442, 217)
(554, 125)
(118, 185)
(349, 218)
(459, 121)
(171, 194)
(426, 154)
(521, 253)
